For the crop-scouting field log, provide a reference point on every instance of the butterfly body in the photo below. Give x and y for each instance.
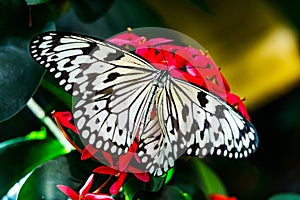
(122, 96)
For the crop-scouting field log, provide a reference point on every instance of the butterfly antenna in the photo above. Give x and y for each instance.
(165, 61)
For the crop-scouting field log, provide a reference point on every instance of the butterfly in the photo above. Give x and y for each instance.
(121, 96)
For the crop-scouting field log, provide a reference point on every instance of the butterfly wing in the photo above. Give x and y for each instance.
(112, 84)
(195, 122)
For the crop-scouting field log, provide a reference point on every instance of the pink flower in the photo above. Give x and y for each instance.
(84, 192)
(183, 62)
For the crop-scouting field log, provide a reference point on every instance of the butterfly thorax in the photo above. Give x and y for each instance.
(161, 79)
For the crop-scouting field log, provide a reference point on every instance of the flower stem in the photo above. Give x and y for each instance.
(102, 186)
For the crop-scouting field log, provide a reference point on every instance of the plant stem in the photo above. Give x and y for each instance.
(40, 114)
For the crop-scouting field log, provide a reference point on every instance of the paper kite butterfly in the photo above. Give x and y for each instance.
(121, 96)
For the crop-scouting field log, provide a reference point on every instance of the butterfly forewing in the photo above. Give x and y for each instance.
(112, 85)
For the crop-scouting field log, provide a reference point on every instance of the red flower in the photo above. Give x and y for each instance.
(220, 197)
(83, 193)
(122, 169)
(186, 63)
(234, 100)
(88, 152)
(64, 118)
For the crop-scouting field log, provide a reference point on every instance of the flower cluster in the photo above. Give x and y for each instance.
(183, 62)
(84, 193)
(122, 169)
(119, 169)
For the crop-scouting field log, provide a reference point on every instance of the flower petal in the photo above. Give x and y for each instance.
(124, 36)
(142, 176)
(124, 161)
(234, 100)
(91, 196)
(106, 170)
(88, 152)
(156, 41)
(108, 157)
(64, 118)
(85, 189)
(242, 109)
(68, 191)
(114, 189)
(220, 197)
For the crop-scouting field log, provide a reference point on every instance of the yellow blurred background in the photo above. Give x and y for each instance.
(256, 48)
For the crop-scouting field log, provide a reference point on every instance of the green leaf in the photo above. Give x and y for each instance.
(91, 10)
(35, 2)
(168, 192)
(19, 77)
(211, 182)
(169, 175)
(57, 91)
(285, 196)
(22, 155)
(22, 21)
(193, 177)
(133, 185)
(35, 135)
(67, 170)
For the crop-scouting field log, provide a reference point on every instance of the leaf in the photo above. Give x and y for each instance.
(22, 21)
(285, 196)
(19, 77)
(57, 91)
(193, 177)
(66, 170)
(166, 193)
(35, 2)
(211, 182)
(133, 185)
(21, 155)
(169, 175)
(34, 135)
(26, 122)
(91, 10)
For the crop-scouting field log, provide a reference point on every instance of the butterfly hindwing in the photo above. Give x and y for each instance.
(195, 122)
(215, 127)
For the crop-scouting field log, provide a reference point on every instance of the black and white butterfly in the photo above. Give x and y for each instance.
(118, 92)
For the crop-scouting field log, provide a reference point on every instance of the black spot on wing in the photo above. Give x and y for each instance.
(201, 96)
(206, 126)
(112, 77)
(220, 111)
(118, 55)
(185, 112)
